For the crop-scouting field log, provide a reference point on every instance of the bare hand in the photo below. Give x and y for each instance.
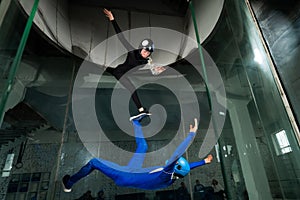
(108, 14)
(159, 69)
(208, 159)
(195, 127)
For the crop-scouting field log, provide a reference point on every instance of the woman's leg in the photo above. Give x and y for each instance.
(129, 86)
(142, 147)
(124, 80)
(110, 70)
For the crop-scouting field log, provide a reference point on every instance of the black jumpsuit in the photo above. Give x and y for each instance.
(133, 60)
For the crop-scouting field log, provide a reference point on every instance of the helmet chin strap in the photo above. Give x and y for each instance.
(174, 177)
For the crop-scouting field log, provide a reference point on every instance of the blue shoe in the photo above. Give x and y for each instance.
(139, 116)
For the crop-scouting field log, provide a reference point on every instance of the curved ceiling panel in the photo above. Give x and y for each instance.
(79, 26)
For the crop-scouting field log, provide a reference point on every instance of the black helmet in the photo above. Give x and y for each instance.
(147, 44)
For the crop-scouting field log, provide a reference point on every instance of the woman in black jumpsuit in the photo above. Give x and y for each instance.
(136, 58)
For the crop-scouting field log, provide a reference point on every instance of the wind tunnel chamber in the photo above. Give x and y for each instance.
(77, 111)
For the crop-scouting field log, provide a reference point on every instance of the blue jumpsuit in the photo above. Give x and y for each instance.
(133, 175)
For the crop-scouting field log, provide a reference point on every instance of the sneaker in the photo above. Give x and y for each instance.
(64, 183)
(139, 116)
(146, 112)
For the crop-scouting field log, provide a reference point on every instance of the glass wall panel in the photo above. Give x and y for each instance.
(30, 134)
(279, 23)
(255, 107)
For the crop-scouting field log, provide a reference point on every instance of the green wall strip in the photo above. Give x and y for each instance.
(200, 51)
(207, 90)
(16, 61)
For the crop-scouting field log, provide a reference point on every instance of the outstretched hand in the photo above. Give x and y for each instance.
(208, 159)
(159, 69)
(108, 14)
(195, 127)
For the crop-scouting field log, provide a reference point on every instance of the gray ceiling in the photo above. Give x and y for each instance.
(165, 7)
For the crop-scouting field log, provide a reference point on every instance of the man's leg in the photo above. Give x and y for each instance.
(142, 147)
(106, 167)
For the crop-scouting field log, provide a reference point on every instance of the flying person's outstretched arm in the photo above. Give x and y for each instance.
(185, 144)
(121, 37)
(205, 161)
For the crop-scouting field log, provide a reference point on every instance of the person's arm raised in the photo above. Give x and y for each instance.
(181, 149)
(205, 161)
(195, 127)
(108, 14)
(120, 35)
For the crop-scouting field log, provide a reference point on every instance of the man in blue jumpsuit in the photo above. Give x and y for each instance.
(133, 175)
